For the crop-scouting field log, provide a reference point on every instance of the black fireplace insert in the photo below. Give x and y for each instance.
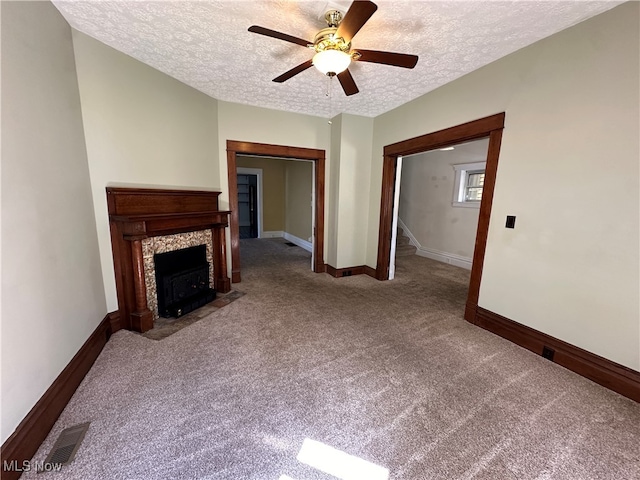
(182, 281)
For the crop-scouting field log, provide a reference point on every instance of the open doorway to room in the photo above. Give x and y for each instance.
(439, 203)
(238, 150)
(275, 199)
(488, 127)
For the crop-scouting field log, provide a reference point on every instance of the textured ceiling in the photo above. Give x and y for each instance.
(206, 45)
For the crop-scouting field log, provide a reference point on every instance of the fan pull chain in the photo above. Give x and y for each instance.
(329, 94)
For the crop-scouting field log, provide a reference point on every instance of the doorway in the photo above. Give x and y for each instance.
(235, 148)
(490, 127)
(249, 202)
(438, 195)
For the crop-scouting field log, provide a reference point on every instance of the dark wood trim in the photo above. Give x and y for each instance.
(460, 133)
(278, 151)
(386, 216)
(318, 234)
(139, 213)
(491, 127)
(482, 231)
(115, 320)
(235, 148)
(346, 271)
(609, 374)
(234, 221)
(370, 271)
(350, 271)
(35, 427)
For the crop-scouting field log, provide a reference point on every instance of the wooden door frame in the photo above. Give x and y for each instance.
(235, 148)
(491, 127)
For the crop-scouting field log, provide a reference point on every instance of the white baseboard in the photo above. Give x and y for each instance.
(444, 257)
(272, 234)
(450, 258)
(412, 240)
(308, 246)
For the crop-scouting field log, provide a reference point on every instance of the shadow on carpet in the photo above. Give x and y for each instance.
(164, 327)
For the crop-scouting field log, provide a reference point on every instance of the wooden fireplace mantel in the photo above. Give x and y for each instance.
(139, 213)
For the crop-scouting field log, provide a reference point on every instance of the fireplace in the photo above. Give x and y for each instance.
(145, 222)
(182, 279)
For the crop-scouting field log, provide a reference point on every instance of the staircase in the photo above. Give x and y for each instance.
(403, 247)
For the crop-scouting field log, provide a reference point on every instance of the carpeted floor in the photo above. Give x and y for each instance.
(388, 372)
(164, 327)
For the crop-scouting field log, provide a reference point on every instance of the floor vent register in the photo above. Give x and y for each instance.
(67, 444)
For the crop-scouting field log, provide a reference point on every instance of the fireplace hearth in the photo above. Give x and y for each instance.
(182, 279)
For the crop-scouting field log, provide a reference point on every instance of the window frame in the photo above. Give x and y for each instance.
(462, 170)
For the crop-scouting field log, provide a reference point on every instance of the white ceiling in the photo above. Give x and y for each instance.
(206, 45)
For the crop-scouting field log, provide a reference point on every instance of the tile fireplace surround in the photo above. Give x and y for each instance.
(171, 243)
(147, 221)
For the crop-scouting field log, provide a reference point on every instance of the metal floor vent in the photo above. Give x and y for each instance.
(67, 444)
(289, 244)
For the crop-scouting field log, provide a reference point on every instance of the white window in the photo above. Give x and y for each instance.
(469, 181)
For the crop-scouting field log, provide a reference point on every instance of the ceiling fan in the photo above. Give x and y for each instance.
(333, 46)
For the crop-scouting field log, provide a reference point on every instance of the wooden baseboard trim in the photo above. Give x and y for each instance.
(350, 271)
(32, 431)
(115, 321)
(344, 272)
(370, 271)
(609, 374)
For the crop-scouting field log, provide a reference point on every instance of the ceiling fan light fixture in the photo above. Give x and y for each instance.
(331, 61)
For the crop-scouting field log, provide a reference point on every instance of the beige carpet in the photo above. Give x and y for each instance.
(388, 372)
(164, 327)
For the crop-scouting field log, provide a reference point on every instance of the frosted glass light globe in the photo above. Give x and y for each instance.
(331, 61)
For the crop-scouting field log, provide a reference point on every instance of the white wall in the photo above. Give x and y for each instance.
(426, 196)
(53, 296)
(568, 170)
(142, 127)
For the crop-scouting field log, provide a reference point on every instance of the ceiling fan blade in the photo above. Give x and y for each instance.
(294, 71)
(388, 58)
(279, 35)
(357, 15)
(348, 83)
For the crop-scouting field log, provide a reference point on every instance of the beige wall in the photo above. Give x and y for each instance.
(333, 189)
(353, 136)
(298, 191)
(287, 187)
(568, 170)
(273, 193)
(426, 196)
(142, 127)
(262, 125)
(53, 296)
